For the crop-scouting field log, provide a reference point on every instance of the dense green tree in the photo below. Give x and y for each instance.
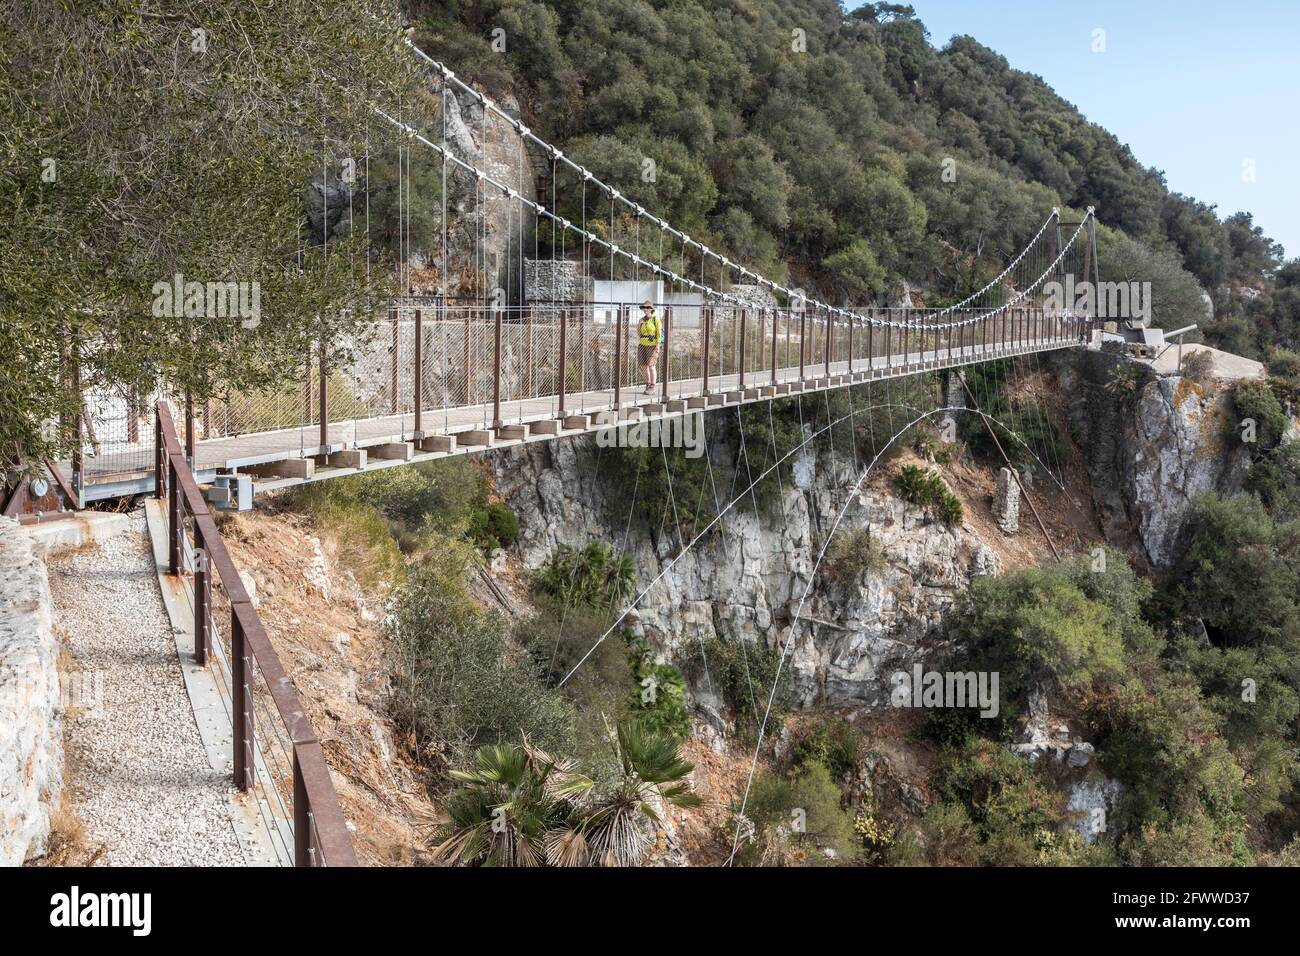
(129, 141)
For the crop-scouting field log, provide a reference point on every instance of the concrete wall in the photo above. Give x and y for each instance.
(31, 714)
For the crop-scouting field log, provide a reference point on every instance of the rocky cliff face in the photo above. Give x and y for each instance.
(746, 579)
(1149, 452)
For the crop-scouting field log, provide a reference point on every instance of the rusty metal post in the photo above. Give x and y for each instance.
(582, 349)
(707, 322)
(871, 347)
(563, 363)
(744, 314)
(79, 412)
(303, 845)
(397, 346)
(469, 369)
(496, 369)
(618, 356)
(324, 393)
(202, 599)
(668, 365)
(159, 459)
(851, 318)
(830, 338)
(189, 427)
(803, 338)
(418, 365)
(175, 529)
(241, 705)
(775, 315)
(528, 353)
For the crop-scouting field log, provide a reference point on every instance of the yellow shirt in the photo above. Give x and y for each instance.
(650, 330)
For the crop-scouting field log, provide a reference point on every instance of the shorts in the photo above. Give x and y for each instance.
(647, 355)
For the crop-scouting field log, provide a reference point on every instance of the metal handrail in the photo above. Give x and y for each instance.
(320, 832)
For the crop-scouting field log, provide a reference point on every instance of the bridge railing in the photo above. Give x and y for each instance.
(277, 758)
(438, 366)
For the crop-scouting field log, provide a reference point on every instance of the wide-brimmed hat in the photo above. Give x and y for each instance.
(647, 304)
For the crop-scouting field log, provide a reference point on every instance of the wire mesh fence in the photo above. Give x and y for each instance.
(441, 367)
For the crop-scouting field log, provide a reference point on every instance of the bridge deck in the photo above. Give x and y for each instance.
(597, 407)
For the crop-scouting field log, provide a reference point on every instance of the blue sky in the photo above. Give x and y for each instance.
(1195, 88)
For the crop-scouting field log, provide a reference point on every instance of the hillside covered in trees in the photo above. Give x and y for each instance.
(812, 143)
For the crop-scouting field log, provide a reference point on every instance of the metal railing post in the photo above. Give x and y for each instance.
(528, 353)
(496, 369)
(159, 457)
(564, 358)
(830, 339)
(241, 705)
(303, 845)
(871, 346)
(618, 356)
(418, 374)
(707, 320)
(397, 345)
(802, 338)
(583, 318)
(202, 600)
(744, 314)
(775, 315)
(189, 427)
(174, 525)
(668, 363)
(851, 318)
(324, 393)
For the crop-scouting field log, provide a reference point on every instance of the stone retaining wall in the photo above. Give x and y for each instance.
(31, 714)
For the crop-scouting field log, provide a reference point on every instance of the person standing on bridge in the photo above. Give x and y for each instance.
(650, 336)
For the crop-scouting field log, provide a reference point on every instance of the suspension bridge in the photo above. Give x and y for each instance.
(453, 373)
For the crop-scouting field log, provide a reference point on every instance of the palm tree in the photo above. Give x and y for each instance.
(653, 773)
(515, 804)
(522, 807)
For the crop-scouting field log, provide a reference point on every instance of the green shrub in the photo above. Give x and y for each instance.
(853, 554)
(658, 693)
(926, 488)
(834, 743)
(494, 526)
(1255, 401)
(1284, 363)
(456, 685)
(948, 508)
(1198, 841)
(742, 672)
(1037, 626)
(1017, 815)
(1125, 379)
(1157, 737)
(1274, 477)
(949, 835)
(556, 638)
(594, 576)
(1238, 572)
(918, 486)
(797, 818)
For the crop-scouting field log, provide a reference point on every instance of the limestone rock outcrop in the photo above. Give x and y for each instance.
(748, 578)
(31, 713)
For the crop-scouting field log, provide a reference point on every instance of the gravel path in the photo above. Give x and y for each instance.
(138, 775)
